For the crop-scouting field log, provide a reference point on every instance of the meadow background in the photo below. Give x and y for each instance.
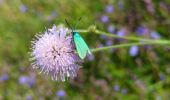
(131, 73)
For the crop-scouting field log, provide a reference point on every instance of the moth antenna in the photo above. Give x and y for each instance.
(78, 22)
(69, 25)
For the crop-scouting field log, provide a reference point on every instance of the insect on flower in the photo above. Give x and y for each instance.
(53, 53)
(81, 46)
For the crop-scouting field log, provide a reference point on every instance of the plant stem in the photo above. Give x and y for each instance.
(141, 41)
(123, 37)
(125, 45)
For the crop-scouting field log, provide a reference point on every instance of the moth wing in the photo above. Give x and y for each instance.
(81, 46)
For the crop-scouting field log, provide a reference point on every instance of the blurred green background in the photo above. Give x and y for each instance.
(134, 73)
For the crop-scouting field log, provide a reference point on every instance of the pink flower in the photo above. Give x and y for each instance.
(53, 53)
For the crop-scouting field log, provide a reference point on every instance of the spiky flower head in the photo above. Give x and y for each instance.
(53, 53)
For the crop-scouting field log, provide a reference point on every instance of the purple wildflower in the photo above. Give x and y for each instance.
(121, 32)
(31, 81)
(161, 77)
(90, 57)
(100, 45)
(23, 8)
(116, 87)
(134, 50)
(103, 37)
(4, 77)
(54, 13)
(149, 6)
(109, 42)
(111, 28)
(23, 79)
(109, 9)
(142, 31)
(52, 16)
(120, 5)
(61, 93)
(155, 35)
(22, 68)
(104, 19)
(29, 97)
(53, 53)
(28, 80)
(124, 91)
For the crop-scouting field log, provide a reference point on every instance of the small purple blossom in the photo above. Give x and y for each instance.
(90, 57)
(23, 79)
(61, 93)
(4, 77)
(29, 97)
(148, 47)
(109, 9)
(120, 5)
(103, 37)
(31, 81)
(52, 16)
(23, 8)
(121, 32)
(149, 6)
(124, 91)
(53, 53)
(155, 35)
(22, 68)
(104, 19)
(111, 28)
(54, 13)
(141, 31)
(109, 42)
(134, 50)
(100, 45)
(161, 77)
(116, 87)
(28, 80)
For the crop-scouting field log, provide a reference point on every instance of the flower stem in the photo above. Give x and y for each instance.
(123, 37)
(141, 41)
(125, 45)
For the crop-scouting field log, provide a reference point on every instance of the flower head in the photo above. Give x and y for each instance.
(23, 8)
(111, 28)
(4, 77)
(104, 19)
(120, 5)
(27, 80)
(53, 53)
(121, 32)
(109, 42)
(155, 35)
(90, 57)
(61, 93)
(142, 31)
(29, 97)
(134, 50)
(109, 9)
(124, 91)
(116, 87)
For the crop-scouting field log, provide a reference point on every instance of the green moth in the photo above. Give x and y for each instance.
(81, 46)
